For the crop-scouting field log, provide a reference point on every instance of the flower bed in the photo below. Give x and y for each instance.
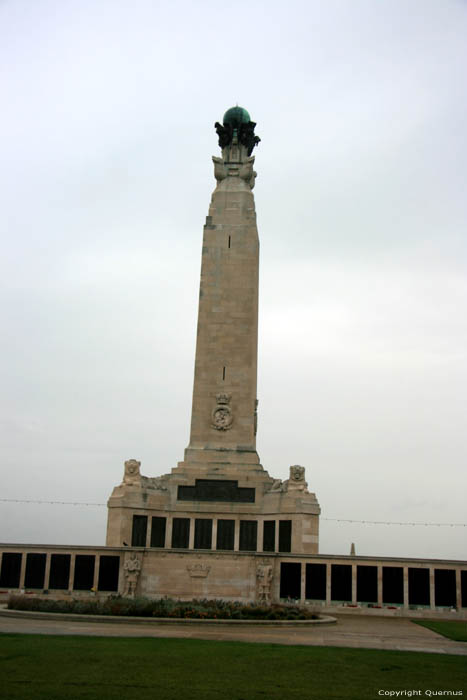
(164, 607)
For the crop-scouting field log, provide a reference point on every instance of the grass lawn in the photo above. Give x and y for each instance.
(42, 667)
(452, 629)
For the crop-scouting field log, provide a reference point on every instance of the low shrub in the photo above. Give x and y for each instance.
(163, 607)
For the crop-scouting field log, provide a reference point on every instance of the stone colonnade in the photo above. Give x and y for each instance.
(331, 582)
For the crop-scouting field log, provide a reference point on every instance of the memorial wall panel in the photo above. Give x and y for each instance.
(35, 570)
(59, 578)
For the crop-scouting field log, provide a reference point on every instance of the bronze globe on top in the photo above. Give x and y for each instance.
(235, 116)
(237, 123)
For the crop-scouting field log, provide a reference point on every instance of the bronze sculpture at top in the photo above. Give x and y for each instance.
(237, 119)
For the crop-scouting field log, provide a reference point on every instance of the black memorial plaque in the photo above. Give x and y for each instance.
(367, 584)
(84, 572)
(285, 536)
(11, 569)
(419, 586)
(341, 582)
(35, 570)
(59, 578)
(139, 531)
(180, 533)
(225, 534)
(109, 568)
(158, 528)
(248, 535)
(216, 490)
(269, 536)
(393, 585)
(315, 582)
(290, 580)
(203, 533)
(445, 588)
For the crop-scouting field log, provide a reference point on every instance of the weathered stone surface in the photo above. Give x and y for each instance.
(224, 419)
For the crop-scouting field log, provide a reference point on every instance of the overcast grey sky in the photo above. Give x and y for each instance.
(107, 121)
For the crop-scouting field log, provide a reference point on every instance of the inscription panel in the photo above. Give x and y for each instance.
(216, 490)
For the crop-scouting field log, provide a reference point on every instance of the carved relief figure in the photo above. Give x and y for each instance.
(132, 474)
(264, 580)
(225, 133)
(153, 482)
(296, 480)
(246, 136)
(277, 485)
(132, 569)
(222, 414)
(132, 467)
(297, 473)
(245, 132)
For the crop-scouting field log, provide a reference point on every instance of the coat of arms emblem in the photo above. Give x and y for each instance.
(222, 414)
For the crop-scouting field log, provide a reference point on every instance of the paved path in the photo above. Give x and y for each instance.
(356, 632)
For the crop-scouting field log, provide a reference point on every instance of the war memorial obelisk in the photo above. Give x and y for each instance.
(223, 423)
(217, 525)
(220, 497)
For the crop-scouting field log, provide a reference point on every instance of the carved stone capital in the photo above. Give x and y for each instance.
(220, 171)
(247, 173)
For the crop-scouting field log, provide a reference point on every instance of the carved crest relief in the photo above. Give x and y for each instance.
(198, 570)
(222, 413)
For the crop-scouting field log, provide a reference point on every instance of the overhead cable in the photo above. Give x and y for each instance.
(336, 520)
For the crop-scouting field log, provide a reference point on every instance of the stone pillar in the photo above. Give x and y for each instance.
(458, 590)
(148, 531)
(259, 545)
(191, 539)
(121, 575)
(97, 564)
(328, 584)
(406, 587)
(354, 584)
(237, 535)
(214, 534)
(22, 572)
(168, 534)
(302, 582)
(380, 586)
(432, 588)
(72, 571)
(47, 570)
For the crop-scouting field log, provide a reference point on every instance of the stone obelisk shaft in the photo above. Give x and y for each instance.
(223, 425)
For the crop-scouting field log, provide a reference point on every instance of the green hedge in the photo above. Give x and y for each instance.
(164, 607)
